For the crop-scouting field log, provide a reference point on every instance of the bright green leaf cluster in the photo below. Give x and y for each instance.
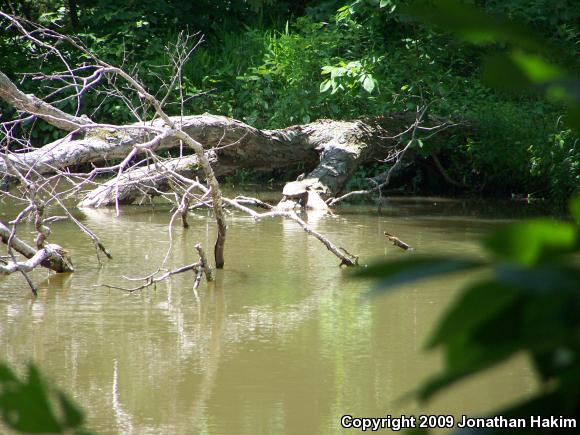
(347, 77)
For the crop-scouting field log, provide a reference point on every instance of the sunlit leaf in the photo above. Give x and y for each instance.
(518, 71)
(368, 84)
(537, 68)
(325, 86)
(527, 242)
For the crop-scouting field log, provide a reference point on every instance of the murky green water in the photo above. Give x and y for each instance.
(281, 343)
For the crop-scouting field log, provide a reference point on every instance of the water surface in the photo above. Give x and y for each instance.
(282, 342)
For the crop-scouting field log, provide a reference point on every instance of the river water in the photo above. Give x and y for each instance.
(282, 342)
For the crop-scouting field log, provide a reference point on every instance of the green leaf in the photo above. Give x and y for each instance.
(395, 273)
(15, 403)
(26, 405)
(527, 242)
(368, 84)
(6, 375)
(476, 305)
(325, 86)
(553, 403)
(73, 417)
(518, 71)
(572, 119)
(501, 72)
(479, 361)
(327, 69)
(537, 68)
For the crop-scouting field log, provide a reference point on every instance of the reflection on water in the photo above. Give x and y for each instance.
(282, 342)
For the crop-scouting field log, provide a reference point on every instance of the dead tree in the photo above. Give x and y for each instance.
(218, 146)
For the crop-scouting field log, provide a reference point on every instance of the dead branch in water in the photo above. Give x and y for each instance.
(49, 253)
(74, 83)
(151, 279)
(333, 150)
(398, 242)
(346, 258)
(200, 268)
(204, 263)
(166, 129)
(240, 202)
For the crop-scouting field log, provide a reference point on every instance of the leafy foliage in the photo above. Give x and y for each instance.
(28, 405)
(273, 63)
(531, 303)
(515, 70)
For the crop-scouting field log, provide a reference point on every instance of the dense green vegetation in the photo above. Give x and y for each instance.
(274, 63)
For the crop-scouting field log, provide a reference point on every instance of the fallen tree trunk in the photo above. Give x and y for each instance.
(330, 151)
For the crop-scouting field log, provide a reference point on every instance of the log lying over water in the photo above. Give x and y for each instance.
(330, 151)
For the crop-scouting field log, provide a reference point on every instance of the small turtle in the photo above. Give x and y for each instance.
(296, 191)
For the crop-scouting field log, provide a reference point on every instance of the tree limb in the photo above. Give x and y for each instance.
(57, 260)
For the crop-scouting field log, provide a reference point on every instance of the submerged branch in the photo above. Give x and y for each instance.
(204, 263)
(151, 279)
(200, 268)
(398, 242)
